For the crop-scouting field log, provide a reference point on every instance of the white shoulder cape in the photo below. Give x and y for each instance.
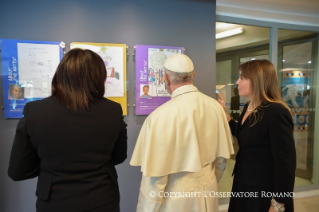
(184, 134)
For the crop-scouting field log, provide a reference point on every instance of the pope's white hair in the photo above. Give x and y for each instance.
(178, 78)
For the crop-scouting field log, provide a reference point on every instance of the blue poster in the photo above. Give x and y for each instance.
(28, 68)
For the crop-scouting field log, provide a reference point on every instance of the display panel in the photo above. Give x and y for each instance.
(28, 68)
(150, 83)
(114, 57)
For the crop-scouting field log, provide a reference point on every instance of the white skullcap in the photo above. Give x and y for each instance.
(179, 63)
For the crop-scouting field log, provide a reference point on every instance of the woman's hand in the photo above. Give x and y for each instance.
(271, 209)
(221, 102)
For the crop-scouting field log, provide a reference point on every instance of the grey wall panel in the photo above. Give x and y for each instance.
(190, 24)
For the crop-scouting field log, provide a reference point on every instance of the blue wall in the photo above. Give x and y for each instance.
(187, 23)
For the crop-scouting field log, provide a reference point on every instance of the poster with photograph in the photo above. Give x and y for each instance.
(150, 82)
(114, 57)
(28, 68)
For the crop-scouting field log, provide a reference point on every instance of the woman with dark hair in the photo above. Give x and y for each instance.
(72, 140)
(266, 160)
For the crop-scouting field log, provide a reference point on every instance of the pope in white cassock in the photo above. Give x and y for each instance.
(181, 146)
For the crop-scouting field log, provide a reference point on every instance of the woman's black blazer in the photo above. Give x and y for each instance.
(267, 154)
(72, 153)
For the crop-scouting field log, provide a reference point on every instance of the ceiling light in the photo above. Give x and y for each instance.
(253, 58)
(229, 33)
(309, 62)
(218, 87)
(283, 60)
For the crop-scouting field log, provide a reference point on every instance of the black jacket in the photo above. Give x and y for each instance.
(72, 153)
(267, 154)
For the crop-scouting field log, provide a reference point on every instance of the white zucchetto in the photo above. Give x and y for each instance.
(179, 63)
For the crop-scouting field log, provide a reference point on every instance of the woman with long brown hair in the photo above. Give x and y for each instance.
(72, 140)
(266, 160)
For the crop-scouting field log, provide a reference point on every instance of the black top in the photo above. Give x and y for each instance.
(72, 153)
(267, 154)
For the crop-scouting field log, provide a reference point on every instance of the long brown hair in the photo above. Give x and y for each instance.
(79, 79)
(264, 84)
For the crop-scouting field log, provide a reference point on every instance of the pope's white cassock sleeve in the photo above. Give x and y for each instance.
(151, 193)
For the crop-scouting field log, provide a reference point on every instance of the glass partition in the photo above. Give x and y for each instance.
(298, 80)
(251, 44)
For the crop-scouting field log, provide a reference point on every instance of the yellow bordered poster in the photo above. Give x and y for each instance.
(114, 57)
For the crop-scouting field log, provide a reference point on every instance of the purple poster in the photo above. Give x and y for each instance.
(150, 82)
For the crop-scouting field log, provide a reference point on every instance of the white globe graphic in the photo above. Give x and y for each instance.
(157, 60)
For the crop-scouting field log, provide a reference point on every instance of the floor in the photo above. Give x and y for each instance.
(307, 204)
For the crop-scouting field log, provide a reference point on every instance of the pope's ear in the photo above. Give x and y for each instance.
(194, 74)
(167, 80)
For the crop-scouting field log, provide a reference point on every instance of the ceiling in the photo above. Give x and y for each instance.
(252, 36)
(301, 12)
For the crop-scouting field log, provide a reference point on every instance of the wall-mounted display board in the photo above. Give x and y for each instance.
(150, 83)
(28, 68)
(114, 57)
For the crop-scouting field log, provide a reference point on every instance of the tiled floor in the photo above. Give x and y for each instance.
(307, 204)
